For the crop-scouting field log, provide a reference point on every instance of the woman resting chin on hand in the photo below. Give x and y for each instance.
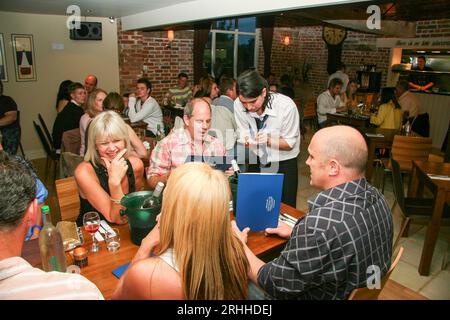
(107, 172)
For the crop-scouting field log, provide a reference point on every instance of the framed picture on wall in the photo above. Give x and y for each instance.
(24, 61)
(3, 70)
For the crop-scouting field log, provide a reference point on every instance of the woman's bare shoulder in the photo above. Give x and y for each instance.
(83, 169)
(136, 163)
(154, 279)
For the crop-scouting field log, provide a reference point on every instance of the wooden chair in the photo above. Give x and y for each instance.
(68, 199)
(373, 294)
(310, 112)
(411, 208)
(405, 149)
(46, 131)
(52, 155)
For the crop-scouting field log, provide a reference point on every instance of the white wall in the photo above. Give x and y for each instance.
(74, 62)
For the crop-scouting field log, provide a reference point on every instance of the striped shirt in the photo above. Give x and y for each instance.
(20, 281)
(172, 151)
(181, 96)
(348, 230)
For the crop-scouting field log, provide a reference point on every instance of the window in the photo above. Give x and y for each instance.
(231, 48)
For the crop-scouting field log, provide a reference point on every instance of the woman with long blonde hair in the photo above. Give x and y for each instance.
(197, 254)
(108, 171)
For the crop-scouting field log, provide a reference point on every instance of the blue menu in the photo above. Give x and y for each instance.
(258, 200)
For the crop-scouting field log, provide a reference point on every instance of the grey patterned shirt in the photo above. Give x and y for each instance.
(349, 228)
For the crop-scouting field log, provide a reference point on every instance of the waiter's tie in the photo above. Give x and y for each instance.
(259, 125)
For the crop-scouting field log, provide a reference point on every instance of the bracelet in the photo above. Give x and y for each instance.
(36, 227)
(30, 232)
(116, 201)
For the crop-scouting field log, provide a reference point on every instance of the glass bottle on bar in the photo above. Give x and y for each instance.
(154, 201)
(51, 245)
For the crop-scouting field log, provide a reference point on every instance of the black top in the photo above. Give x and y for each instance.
(348, 229)
(102, 175)
(67, 119)
(287, 91)
(7, 104)
(421, 79)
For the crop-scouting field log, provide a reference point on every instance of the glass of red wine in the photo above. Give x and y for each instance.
(91, 223)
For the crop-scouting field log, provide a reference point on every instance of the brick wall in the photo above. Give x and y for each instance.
(144, 54)
(308, 46)
(139, 49)
(433, 28)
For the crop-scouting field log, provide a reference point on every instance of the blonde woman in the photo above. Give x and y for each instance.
(108, 172)
(114, 102)
(197, 255)
(94, 106)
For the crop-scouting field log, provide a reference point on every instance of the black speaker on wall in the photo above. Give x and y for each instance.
(87, 31)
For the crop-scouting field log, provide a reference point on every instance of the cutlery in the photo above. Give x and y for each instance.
(287, 221)
(288, 217)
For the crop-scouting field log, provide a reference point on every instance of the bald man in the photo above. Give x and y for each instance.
(90, 83)
(346, 234)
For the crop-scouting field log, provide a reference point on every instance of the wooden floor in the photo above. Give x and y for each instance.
(392, 290)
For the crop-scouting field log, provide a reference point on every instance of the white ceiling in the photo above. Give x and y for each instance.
(146, 14)
(98, 8)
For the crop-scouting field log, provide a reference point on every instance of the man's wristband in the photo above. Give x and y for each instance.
(31, 231)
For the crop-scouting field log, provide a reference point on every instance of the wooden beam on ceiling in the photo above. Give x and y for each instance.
(404, 29)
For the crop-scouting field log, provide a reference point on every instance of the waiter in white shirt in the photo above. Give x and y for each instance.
(268, 124)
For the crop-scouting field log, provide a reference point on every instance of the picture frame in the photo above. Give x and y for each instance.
(3, 67)
(24, 60)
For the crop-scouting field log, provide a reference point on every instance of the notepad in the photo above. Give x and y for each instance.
(118, 272)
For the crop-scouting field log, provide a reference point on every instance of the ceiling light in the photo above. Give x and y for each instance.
(111, 19)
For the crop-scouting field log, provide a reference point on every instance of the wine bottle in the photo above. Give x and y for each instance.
(51, 245)
(407, 127)
(233, 184)
(236, 169)
(159, 133)
(154, 200)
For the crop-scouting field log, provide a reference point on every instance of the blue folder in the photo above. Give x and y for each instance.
(118, 272)
(258, 200)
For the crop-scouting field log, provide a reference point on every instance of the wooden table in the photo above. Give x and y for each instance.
(344, 118)
(173, 112)
(441, 191)
(384, 140)
(103, 262)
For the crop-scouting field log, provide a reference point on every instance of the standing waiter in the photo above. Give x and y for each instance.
(269, 125)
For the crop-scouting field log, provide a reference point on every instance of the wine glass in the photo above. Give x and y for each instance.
(91, 223)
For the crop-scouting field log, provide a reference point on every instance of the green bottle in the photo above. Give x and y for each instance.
(51, 245)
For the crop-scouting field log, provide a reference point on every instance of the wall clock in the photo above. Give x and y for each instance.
(333, 36)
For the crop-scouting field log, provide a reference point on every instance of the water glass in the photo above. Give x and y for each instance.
(112, 240)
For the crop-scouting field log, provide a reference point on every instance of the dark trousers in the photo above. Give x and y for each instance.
(149, 133)
(290, 170)
(10, 139)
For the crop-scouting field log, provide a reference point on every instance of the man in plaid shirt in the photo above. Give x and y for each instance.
(193, 139)
(346, 235)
